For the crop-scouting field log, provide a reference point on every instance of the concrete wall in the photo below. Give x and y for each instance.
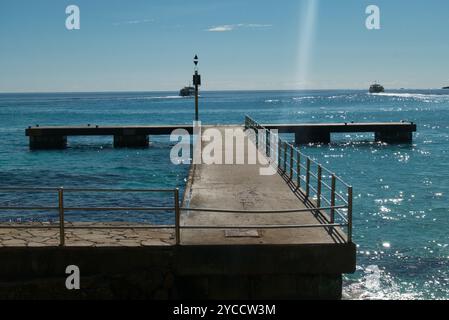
(186, 272)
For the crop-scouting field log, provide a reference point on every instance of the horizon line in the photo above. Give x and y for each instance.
(225, 90)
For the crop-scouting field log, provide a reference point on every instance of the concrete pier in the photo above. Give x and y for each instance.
(390, 132)
(287, 263)
(213, 260)
(55, 137)
(261, 252)
(137, 136)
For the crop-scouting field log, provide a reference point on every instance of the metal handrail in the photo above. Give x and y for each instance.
(120, 190)
(89, 208)
(92, 227)
(30, 208)
(119, 209)
(290, 226)
(262, 211)
(62, 226)
(86, 190)
(291, 167)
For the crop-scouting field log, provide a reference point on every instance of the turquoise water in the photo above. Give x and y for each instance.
(401, 192)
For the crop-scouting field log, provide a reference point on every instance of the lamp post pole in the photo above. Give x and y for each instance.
(197, 83)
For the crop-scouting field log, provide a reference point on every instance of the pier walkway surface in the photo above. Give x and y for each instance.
(242, 187)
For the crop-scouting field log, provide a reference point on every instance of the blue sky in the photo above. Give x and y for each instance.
(145, 45)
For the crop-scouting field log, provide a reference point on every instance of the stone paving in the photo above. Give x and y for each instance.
(46, 237)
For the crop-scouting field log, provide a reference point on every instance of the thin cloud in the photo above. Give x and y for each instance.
(232, 27)
(133, 22)
(224, 28)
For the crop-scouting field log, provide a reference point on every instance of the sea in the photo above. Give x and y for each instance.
(401, 192)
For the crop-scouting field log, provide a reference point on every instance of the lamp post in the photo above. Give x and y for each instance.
(196, 83)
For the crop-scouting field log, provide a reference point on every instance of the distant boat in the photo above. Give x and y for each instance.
(376, 88)
(187, 92)
(444, 88)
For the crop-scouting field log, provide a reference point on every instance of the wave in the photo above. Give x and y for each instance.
(305, 98)
(164, 97)
(333, 97)
(420, 96)
(376, 284)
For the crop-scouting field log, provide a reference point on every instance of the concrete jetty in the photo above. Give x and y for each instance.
(390, 132)
(241, 187)
(55, 137)
(283, 262)
(237, 235)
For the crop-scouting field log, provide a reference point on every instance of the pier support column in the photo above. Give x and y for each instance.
(306, 137)
(48, 142)
(394, 137)
(131, 141)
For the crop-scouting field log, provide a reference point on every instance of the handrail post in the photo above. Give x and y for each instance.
(350, 214)
(177, 218)
(285, 157)
(291, 162)
(298, 168)
(279, 146)
(268, 144)
(308, 178)
(61, 217)
(256, 131)
(333, 184)
(318, 192)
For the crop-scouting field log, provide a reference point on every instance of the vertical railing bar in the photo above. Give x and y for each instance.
(350, 214)
(177, 218)
(268, 144)
(318, 193)
(285, 157)
(257, 137)
(333, 186)
(61, 217)
(308, 178)
(291, 162)
(298, 168)
(279, 146)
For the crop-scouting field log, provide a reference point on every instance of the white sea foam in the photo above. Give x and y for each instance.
(419, 96)
(343, 96)
(376, 284)
(161, 98)
(303, 98)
